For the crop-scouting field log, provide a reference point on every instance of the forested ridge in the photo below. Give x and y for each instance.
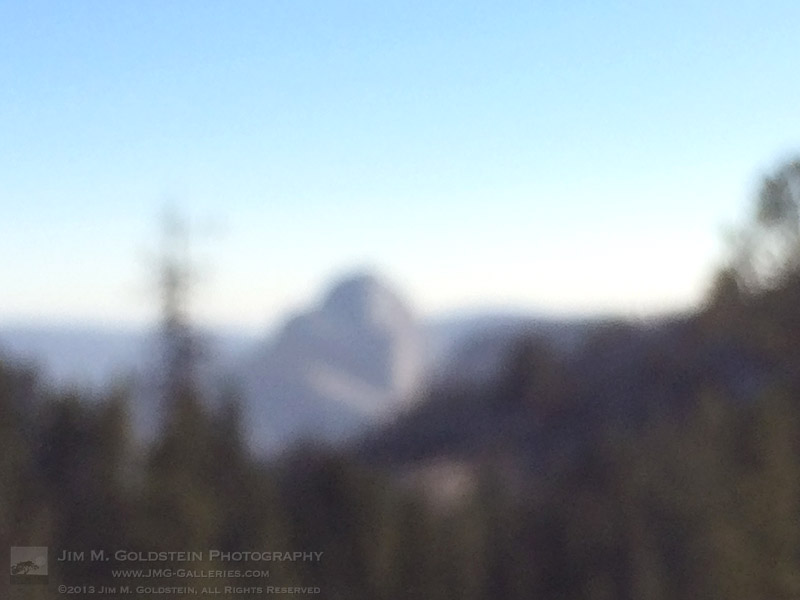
(656, 461)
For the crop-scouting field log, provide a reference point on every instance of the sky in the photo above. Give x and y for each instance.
(565, 157)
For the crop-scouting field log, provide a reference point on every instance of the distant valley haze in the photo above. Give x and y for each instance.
(353, 354)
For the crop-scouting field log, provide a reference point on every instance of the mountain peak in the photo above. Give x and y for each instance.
(363, 299)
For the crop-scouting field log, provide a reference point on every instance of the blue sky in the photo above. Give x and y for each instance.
(567, 157)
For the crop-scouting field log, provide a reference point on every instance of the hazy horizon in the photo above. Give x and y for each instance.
(273, 324)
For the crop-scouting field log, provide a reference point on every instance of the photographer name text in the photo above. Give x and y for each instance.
(186, 556)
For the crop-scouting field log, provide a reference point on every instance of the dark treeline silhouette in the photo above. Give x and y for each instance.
(656, 461)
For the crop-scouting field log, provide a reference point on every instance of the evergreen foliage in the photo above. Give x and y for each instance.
(589, 477)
